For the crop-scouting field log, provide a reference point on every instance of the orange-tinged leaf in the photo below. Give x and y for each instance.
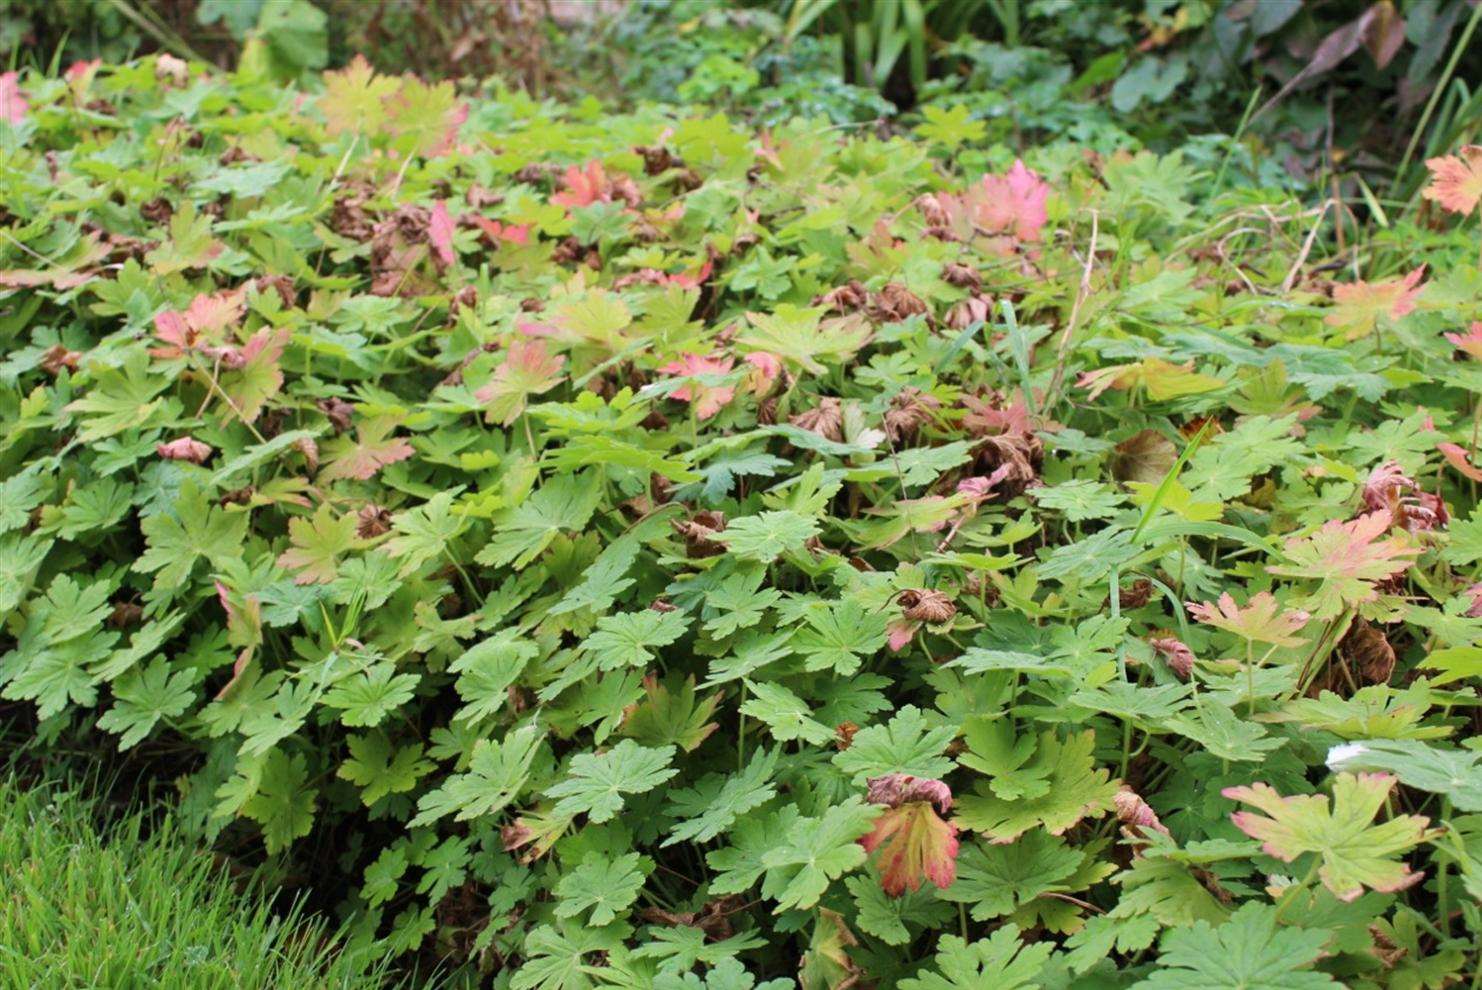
(317, 545)
(258, 376)
(1456, 180)
(1355, 853)
(1456, 456)
(425, 119)
(585, 186)
(1359, 306)
(528, 369)
(1471, 342)
(1259, 621)
(373, 449)
(1162, 379)
(1347, 557)
(913, 841)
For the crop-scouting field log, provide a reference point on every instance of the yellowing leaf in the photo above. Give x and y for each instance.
(354, 98)
(1354, 852)
(1360, 306)
(317, 545)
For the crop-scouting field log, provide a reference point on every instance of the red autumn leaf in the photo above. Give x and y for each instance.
(508, 233)
(1360, 305)
(203, 321)
(766, 367)
(1456, 456)
(1456, 181)
(1474, 611)
(184, 448)
(913, 840)
(528, 369)
(708, 399)
(1013, 203)
(583, 187)
(83, 69)
(440, 233)
(13, 105)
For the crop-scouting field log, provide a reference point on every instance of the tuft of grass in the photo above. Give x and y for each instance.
(137, 904)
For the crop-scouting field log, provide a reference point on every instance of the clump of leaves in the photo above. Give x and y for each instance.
(653, 553)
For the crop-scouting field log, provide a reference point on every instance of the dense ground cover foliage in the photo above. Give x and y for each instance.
(637, 550)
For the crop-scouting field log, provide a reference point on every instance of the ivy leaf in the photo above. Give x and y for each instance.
(1455, 773)
(595, 783)
(997, 879)
(995, 749)
(425, 532)
(714, 804)
(802, 337)
(605, 886)
(886, 917)
(1076, 790)
(1220, 732)
(784, 713)
(194, 531)
(671, 715)
(318, 544)
(1355, 853)
(1247, 952)
(738, 602)
(487, 669)
(189, 244)
(354, 98)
